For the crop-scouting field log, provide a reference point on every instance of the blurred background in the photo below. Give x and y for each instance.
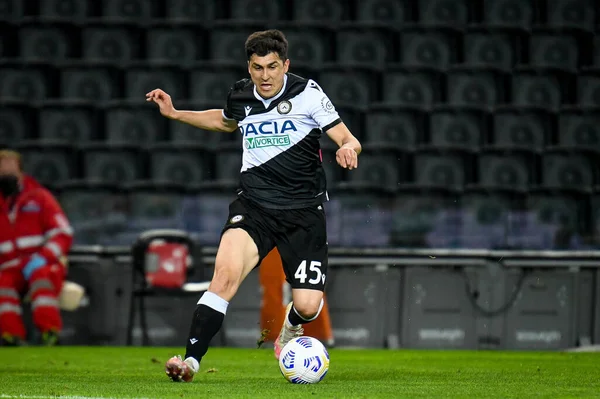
(480, 132)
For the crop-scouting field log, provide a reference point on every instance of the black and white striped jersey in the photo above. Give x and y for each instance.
(281, 163)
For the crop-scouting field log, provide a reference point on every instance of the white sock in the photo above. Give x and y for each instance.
(193, 363)
(214, 301)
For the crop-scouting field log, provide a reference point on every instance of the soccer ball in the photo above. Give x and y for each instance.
(304, 360)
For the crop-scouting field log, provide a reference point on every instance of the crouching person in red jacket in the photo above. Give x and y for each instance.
(34, 236)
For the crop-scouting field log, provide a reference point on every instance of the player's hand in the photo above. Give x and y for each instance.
(347, 158)
(163, 100)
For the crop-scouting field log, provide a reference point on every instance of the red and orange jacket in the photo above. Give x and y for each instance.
(32, 222)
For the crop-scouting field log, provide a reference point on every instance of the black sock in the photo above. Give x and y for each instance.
(205, 325)
(294, 318)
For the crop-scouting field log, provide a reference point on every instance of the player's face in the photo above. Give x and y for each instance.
(267, 73)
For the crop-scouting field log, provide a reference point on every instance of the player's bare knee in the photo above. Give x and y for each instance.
(308, 307)
(225, 283)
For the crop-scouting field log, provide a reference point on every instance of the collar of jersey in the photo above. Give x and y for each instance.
(268, 101)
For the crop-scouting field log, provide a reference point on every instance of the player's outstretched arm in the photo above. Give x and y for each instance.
(211, 119)
(347, 155)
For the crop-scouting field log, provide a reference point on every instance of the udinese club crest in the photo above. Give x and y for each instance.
(284, 107)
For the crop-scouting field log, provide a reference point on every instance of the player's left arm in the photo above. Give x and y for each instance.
(347, 155)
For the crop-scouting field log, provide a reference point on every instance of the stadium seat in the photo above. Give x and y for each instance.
(366, 47)
(23, 83)
(579, 129)
(577, 14)
(353, 118)
(181, 133)
(228, 163)
(69, 122)
(514, 13)
(132, 10)
(193, 10)
(506, 169)
(568, 170)
(447, 169)
(394, 126)
(458, 128)
(532, 88)
(596, 51)
(475, 87)
(451, 12)
(553, 50)
(354, 87)
(141, 79)
(588, 88)
(388, 12)
(12, 10)
(258, 10)
(49, 163)
(48, 44)
(133, 124)
(325, 11)
(334, 173)
(434, 48)
(112, 164)
(95, 210)
(65, 10)
(595, 216)
(179, 163)
(155, 205)
(379, 167)
(520, 128)
(309, 46)
(424, 217)
(15, 124)
(211, 83)
(90, 82)
(110, 43)
(180, 45)
(412, 87)
(227, 42)
(497, 48)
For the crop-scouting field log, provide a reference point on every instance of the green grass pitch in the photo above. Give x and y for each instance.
(120, 372)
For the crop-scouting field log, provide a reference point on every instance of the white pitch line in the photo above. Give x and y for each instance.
(2, 396)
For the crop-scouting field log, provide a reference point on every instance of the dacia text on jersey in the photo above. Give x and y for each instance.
(267, 134)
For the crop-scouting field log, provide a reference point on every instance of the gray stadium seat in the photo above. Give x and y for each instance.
(429, 48)
(153, 206)
(458, 128)
(432, 169)
(133, 10)
(325, 11)
(15, 124)
(182, 133)
(333, 172)
(533, 89)
(570, 14)
(179, 164)
(588, 88)
(65, 10)
(474, 87)
(396, 127)
(111, 164)
(363, 47)
(11, 10)
(505, 169)
(258, 10)
(389, 12)
(596, 51)
(514, 13)
(567, 170)
(23, 83)
(44, 44)
(229, 163)
(579, 130)
(49, 164)
(379, 167)
(176, 45)
(310, 46)
(139, 80)
(496, 48)
(452, 12)
(413, 87)
(193, 10)
(133, 125)
(553, 50)
(212, 83)
(70, 123)
(519, 128)
(227, 43)
(356, 87)
(110, 43)
(92, 83)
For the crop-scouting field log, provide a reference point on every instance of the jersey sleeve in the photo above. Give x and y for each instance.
(57, 230)
(320, 107)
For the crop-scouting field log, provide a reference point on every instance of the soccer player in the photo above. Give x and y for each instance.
(282, 190)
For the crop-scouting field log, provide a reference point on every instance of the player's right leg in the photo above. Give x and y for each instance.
(236, 257)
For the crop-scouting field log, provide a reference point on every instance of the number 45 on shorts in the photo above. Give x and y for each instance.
(314, 268)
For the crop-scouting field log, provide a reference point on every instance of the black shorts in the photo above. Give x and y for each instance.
(300, 236)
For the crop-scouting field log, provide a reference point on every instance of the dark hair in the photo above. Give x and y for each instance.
(265, 42)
